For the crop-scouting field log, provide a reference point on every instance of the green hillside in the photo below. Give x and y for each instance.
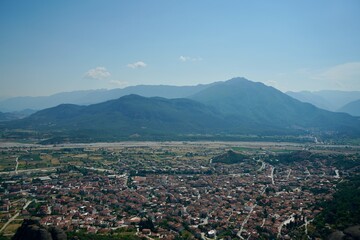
(127, 116)
(268, 109)
(352, 108)
(233, 108)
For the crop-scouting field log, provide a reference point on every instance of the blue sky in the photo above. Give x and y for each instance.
(54, 46)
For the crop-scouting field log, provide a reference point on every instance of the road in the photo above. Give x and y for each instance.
(263, 191)
(262, 166)
(287, 178)
(232, 211)
(185, 210)
(272, 175)
(32, 170)
(287, 221)
(17, 165)
(245, 221)
(263, 222)
(125, 180)
(205, 221)
(15, 216)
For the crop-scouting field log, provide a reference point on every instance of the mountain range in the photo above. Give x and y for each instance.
(331, 100)
(88, 97)
(352, 108)
(7, 116)
(234, 107)
(327, 99)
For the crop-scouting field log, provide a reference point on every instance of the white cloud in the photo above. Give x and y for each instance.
(183, 59)
(138, 64)
(346, 71)
(189, 59)
(98, 73)
(343, 76)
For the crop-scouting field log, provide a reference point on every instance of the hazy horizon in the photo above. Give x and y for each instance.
(122, 87)
(52, 47)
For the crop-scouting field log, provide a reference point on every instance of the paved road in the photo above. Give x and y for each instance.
(287, 178)
(15, 216)
(272, 175)
(245, 221)
(32, 170)
(17, 165)
(287, 221)
(262, 166)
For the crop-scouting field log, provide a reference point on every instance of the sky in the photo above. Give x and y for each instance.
(51, 46)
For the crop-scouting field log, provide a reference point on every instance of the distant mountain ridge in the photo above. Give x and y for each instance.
(332, 100)
(130, 115)
(260, 105)
(6, 116)
(15, 115)
(313, 98)
(88, 97)
(236, 106)
(352, 108)
(326, 99)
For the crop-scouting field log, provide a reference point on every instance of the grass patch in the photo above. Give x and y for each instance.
(11, 228)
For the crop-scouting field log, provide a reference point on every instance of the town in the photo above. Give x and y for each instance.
(171, 189)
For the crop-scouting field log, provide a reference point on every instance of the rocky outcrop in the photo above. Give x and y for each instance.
(350, 233)
(353, 232)
(32, 230)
